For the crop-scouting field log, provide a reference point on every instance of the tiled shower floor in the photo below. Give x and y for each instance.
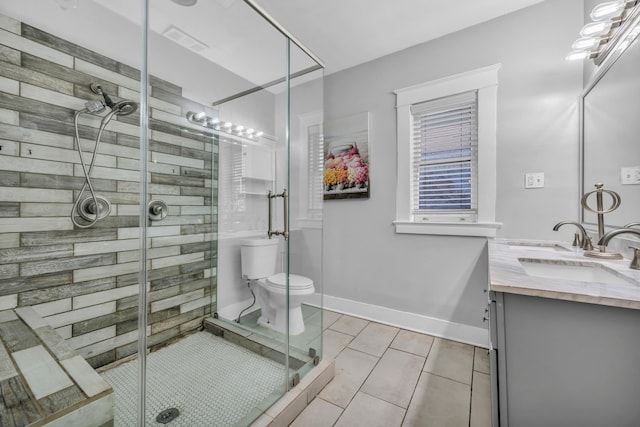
(211, 381)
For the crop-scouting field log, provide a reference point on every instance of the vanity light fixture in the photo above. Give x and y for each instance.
(598, 37)
(201, 118)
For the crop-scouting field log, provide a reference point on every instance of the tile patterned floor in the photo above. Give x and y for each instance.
(202, 376)
(388, 377)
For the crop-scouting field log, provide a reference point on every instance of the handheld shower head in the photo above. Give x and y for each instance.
(94, 106)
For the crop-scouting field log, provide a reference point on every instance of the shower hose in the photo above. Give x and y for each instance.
(87, 171)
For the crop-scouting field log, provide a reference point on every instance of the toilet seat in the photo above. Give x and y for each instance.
(298, 285)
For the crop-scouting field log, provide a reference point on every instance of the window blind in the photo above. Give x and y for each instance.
(445, 156)
(316, 165)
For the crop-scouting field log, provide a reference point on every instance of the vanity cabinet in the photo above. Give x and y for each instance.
(556, 362)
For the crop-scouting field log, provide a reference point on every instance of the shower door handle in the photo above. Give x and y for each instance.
(272, 232)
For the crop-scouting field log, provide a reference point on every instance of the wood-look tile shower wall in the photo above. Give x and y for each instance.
(84, 282)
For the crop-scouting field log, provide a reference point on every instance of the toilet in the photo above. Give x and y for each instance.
(258, 259)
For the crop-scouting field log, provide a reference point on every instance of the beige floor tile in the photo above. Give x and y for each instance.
(439, 402)
(349, 325)
(369, 411)
(374, 339)
(319, 413)
(450, 359)
(481, 360)
(352, 369)
(334, 342)
(480, 400)
(395, 377)
(329, 318)
(413, 342)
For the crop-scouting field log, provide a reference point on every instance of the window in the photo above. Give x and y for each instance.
(315, 142)
(310, 144)
(446, 155)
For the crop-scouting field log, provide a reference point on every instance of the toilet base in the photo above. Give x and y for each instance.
(274, 310)
(278, 320)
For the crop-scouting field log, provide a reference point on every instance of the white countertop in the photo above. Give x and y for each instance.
(508, 275)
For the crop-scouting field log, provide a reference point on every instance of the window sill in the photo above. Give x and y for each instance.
(476, 229)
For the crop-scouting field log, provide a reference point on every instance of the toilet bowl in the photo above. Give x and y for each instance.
(258, 259)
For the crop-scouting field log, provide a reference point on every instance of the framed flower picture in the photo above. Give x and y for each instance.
(346, 157)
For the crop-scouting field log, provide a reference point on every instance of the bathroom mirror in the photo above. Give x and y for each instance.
(610, 137)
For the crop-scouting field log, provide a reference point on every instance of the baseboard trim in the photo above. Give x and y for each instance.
(411, 321)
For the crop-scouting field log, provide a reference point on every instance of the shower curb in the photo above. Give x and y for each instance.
(284, 411)
(293, 402)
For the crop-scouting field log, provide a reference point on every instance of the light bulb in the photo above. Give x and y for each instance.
(578, 54)
(199, 116)
(608, 10)
(594, 29)
(585, 43)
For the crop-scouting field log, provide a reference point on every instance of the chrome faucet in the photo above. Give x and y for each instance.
(584, 241)
(604, 241)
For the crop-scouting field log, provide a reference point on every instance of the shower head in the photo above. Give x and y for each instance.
(124, 108)
(97, 89)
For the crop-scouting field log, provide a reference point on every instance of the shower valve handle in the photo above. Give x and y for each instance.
(158, 210)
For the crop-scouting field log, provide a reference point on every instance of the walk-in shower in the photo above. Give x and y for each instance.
(122, 216)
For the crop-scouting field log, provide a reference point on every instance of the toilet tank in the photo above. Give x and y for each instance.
(258, 258)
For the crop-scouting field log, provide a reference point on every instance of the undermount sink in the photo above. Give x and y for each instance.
(591, 272)
(537, 246)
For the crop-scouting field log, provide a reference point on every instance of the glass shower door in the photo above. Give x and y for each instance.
(211, 159)
(302, 115)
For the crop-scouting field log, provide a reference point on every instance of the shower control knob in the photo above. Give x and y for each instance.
(158, 210)
(87, 208)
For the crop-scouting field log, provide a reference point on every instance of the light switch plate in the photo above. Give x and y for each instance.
(630, 175)
(534, 180)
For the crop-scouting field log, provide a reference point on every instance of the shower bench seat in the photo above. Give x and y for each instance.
(43, 381)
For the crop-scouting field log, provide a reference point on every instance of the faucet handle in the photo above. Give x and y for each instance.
(576, 240)
(587, 244)
(635, 263)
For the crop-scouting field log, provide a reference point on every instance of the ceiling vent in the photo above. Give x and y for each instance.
(184, 39)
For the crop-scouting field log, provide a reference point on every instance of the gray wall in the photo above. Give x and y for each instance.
(442, 276)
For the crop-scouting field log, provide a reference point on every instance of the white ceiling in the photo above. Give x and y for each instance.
(342, 33)
(345, 33)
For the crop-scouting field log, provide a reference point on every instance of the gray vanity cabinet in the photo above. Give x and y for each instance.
(558, 363)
